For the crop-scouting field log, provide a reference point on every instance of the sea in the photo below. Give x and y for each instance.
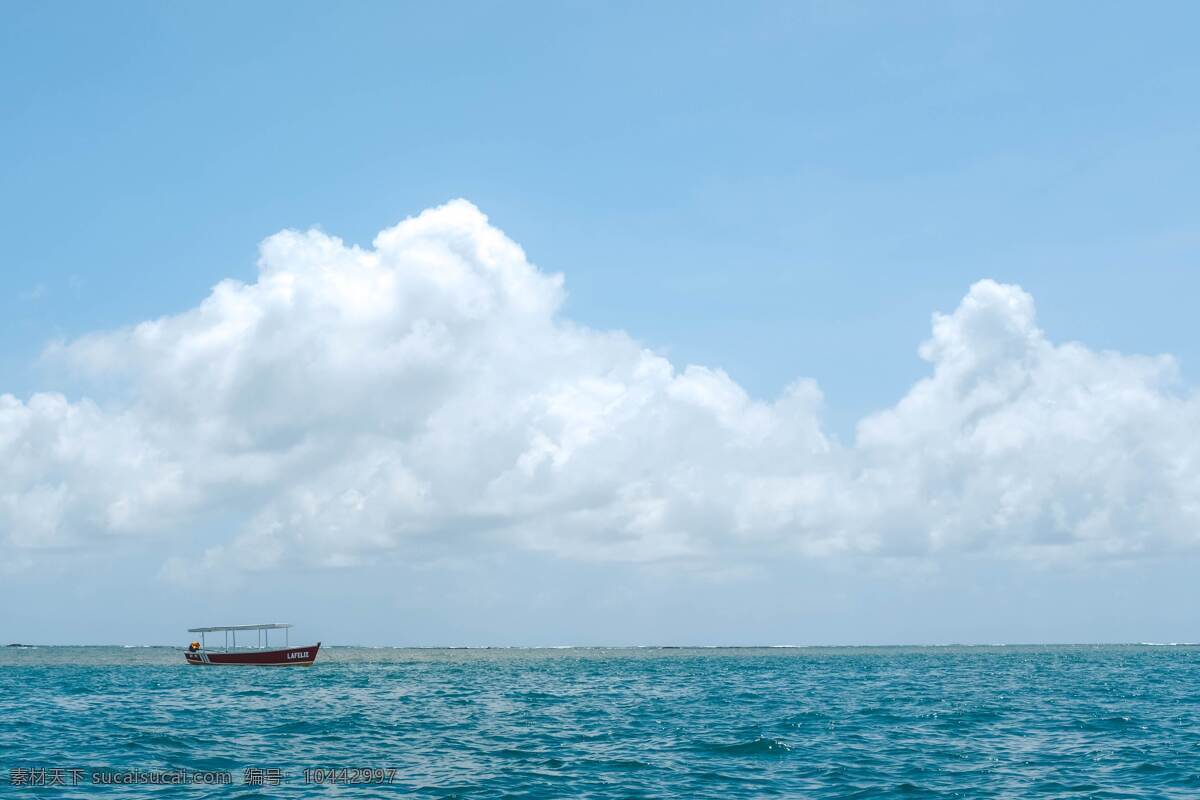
(1110, 721)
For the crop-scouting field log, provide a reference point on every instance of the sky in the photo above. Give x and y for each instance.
(581, 323)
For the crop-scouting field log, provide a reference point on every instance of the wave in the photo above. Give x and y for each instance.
(761, 746)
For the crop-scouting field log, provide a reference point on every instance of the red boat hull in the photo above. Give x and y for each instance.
(286, 657)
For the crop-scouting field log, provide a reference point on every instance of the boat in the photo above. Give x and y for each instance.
(260, 655)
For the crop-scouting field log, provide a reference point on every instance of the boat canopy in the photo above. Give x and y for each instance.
(266, 626)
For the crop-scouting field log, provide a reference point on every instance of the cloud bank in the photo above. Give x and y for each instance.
(426, 398)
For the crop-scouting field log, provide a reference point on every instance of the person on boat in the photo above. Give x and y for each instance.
(194, 646)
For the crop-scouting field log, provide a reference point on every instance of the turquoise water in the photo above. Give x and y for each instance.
(1078, 721)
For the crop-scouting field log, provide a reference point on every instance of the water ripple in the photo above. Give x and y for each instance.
(1055, 722)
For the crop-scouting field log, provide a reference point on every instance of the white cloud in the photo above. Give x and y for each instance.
(69, 472)
(1040, 449)
(426, 397)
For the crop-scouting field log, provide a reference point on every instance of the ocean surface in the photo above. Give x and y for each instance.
(971, 722)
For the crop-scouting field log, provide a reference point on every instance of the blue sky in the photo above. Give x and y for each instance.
(780, 191)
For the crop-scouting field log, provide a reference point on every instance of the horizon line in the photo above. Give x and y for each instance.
(22, 645)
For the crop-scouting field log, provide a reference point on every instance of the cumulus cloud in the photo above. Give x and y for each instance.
(1041, 449)
(426, 397)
